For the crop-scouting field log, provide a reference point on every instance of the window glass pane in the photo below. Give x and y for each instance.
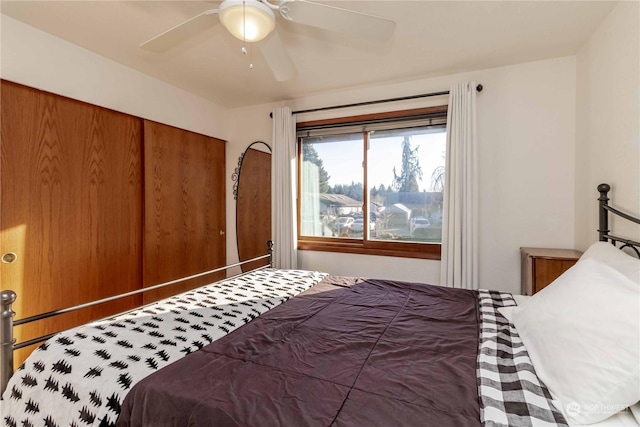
(331, 185)
(405, 180)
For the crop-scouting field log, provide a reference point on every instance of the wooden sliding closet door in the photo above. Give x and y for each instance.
(184, 219)
(71, 206)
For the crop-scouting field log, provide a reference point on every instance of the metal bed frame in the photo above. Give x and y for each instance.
(603, 230)
(8, 297)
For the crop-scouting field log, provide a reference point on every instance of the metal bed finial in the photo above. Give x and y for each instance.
(604, 233)
(603, 201)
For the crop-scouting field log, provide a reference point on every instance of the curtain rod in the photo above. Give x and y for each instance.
(380, 101)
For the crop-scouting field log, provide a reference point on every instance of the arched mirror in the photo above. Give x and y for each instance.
(252, 190)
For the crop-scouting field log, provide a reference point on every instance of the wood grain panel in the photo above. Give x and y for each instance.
(71, 206)
(253, 207)
(184, 195)
(541, 266)
(548, 270)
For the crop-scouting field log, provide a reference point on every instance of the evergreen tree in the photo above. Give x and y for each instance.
(309, 154)
(353, 190)
(410, 172)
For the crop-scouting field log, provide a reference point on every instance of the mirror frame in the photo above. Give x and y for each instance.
(236, 176)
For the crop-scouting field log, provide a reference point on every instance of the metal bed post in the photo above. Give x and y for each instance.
(6, 338)
(603, 229)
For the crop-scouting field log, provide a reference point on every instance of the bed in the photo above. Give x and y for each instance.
(292, 347)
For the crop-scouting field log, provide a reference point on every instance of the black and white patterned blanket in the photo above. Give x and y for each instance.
(80, 377)
(511, 394)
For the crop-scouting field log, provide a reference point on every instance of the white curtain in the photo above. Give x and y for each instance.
(283, 190)
(310, 224)
(459, 267)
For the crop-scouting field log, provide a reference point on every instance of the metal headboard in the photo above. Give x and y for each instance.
(8, 343)
(604, 231)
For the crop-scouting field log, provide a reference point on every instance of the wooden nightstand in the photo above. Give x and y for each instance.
(541, 266)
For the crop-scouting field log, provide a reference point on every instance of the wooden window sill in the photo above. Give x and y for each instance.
(400, 250)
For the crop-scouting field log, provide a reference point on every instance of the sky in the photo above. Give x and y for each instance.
(343, 160)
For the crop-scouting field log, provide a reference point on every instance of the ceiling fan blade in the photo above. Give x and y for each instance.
(337, 19)
(277, 58)
(181, 32)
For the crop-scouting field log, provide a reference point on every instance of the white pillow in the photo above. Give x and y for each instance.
(582, 333)
(608, 254)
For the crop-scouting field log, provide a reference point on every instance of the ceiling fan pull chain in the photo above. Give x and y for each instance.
(244, 34)
(244, 26)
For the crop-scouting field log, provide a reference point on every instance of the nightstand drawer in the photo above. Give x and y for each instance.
(547, 270)
(541, 266)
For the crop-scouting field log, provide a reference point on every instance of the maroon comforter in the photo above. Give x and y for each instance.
(346, 352)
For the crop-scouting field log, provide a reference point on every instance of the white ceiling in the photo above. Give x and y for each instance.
(432, 38)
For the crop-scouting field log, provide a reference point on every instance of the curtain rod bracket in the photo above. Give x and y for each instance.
(479, 88)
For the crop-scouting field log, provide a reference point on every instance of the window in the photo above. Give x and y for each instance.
(373, 184)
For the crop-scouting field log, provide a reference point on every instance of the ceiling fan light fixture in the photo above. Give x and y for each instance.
(249, 20)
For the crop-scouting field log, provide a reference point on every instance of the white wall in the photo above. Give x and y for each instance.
(608, 122)
(37, 59)
(526, 125)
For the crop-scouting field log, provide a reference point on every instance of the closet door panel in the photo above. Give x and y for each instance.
(71, 206)
(184, 207)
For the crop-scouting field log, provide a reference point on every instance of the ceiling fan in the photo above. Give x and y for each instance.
(255, 20)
